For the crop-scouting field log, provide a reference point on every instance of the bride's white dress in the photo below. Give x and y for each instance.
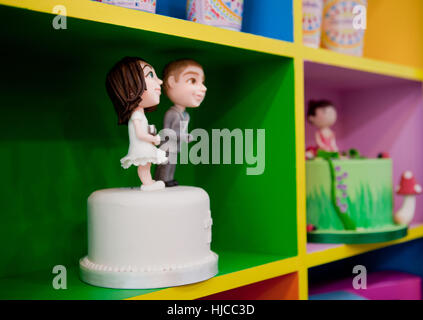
(141, 152)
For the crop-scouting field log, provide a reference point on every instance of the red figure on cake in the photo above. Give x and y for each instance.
(322, 114)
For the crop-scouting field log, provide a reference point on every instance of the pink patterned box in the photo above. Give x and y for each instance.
(143, 5)
(219, 13)
(312, 22)
(339, 33)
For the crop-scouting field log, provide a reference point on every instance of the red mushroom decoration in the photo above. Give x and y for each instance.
(409, 189)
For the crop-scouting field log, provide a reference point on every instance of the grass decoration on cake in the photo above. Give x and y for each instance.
(364, 211)
(339, 189)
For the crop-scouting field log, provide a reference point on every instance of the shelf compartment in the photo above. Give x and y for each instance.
(319, 254)
(381, 285)
(391, 106)
(68, 122)
(403, 257)
(156, 23)
(279, 288)
(330, 58)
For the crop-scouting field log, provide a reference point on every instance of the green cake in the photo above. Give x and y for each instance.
(351, 201)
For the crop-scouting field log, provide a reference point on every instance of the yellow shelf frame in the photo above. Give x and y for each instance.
(98, 12)
(94, 11)
(225, 282)
(324, 56)
(299, 264)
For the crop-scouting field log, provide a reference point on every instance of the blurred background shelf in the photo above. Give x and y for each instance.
(324, 56)
(394, 271)
(318, 254)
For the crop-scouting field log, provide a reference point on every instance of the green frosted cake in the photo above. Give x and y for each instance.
(351, 201)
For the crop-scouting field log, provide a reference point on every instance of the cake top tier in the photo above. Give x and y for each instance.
(131, 196)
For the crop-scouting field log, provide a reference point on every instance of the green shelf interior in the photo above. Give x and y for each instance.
(61, 142)
(38, 285)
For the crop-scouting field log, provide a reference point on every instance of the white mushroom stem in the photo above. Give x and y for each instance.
(406, 213)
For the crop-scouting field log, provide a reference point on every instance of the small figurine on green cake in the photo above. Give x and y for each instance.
(322, 114)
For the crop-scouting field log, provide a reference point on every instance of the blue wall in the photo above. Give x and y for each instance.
(269, 18)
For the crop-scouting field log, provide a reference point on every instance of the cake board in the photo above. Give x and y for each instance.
(375, 235)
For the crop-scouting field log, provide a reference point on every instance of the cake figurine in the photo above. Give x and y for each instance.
(322, 114)
(409, 189)
(184, 85)
(138, 239)
(134, 88)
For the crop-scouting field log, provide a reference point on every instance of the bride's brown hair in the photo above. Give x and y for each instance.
(125, 85)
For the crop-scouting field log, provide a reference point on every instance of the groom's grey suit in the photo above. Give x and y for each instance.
(173, 120)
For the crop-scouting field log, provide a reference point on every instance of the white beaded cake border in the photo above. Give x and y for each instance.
(86, 263)
(159, 278)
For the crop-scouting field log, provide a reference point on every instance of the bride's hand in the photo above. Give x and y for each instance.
(156, 140)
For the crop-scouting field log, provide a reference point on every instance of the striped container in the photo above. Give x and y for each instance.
(340, 30)
(220, 13)
(143, 5)
(312, 22)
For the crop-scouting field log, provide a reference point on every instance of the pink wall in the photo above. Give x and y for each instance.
(381, 118)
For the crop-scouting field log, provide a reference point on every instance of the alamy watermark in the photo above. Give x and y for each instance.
(60, 21)
(360, 17)
(223, 146)
(360, 280)
(59, 281)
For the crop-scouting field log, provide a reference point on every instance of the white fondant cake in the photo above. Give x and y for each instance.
(140, 240)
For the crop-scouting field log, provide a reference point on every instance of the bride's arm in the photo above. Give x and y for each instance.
(144, 135)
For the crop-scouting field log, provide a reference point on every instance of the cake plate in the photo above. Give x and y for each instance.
(359, 236)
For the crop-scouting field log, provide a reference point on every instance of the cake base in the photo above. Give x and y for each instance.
(374, 235)
(100, 276)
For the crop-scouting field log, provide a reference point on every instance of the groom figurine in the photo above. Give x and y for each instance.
(183, 82)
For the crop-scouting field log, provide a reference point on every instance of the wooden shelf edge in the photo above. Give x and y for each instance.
(346, 251)
(328, 57)
(100, 12)
(225, 282)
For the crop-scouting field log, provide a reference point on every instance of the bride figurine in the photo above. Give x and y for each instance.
(134, 88)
